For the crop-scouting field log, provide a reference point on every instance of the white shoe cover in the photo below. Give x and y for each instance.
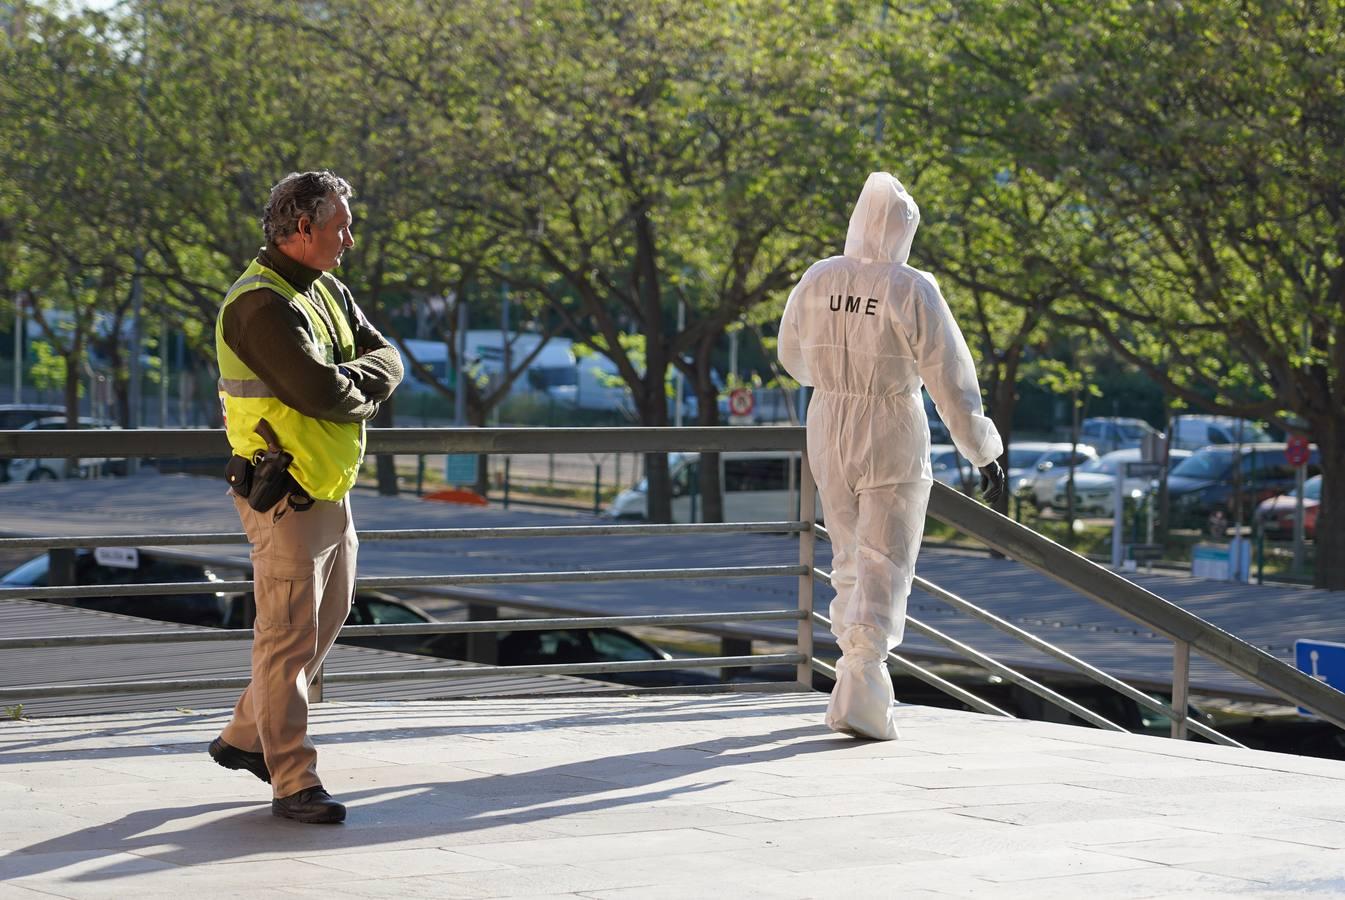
(861, 701)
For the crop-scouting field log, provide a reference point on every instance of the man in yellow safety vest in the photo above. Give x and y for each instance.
(301, 371)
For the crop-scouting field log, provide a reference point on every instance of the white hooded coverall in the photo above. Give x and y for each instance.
(864, 330)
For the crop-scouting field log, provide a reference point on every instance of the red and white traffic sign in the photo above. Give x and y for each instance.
(1296, 450)
(741, 402)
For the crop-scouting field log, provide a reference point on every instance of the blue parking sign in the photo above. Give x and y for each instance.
(1324, 661)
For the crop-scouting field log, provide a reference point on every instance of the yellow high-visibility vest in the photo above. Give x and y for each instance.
(327, 455)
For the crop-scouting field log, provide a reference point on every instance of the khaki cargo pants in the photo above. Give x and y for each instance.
(303, 566)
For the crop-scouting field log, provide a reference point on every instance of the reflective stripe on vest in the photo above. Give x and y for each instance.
(327, 455)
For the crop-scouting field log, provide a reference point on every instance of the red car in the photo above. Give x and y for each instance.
(1276, 515)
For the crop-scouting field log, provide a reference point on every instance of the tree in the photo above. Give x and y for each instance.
(1208, 139)
(1202, 140)
(67, 173)
(664, 155)
(1003, 238)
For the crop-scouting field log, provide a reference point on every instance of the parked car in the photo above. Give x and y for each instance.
(1095, 484)
(1201, 489)
(1037, 483)
(952, 468)
(513, 648)
(1107, 433)
(1275, 516)
(31, 469)
(757, 487)
(128, 565)
(1024, 456)
(220, 610)
(1023, 704)
(14, 416)
(17, 415)
(1192, 432)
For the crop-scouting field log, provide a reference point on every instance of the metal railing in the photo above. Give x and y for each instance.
(1187, 631)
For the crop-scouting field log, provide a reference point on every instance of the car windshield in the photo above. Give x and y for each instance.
(1207, 464)
(1251, 434)
(1312, 489)
(1103, 466)
(1020, 458)
(1131, 431)
(30, 574)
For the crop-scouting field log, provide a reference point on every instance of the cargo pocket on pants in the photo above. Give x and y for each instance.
(284, 591)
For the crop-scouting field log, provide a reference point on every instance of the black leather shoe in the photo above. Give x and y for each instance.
(312, 805)
(232, 758)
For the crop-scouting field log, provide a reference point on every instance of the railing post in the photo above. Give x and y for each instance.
(807, 559)
(506, 482)
(483, 646)
(1181, 679)
(315, 687)
(597, 489)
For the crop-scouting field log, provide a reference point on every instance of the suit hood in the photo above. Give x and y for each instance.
(882, 226)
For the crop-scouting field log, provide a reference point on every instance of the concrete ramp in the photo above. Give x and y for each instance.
(739, 796)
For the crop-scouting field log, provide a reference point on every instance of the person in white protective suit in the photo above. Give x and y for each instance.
(865, 330)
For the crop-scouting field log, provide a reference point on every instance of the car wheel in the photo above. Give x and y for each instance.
(42, 474)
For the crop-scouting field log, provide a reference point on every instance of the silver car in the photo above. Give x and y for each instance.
(1037, 484)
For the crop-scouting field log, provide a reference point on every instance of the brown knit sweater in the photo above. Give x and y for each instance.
(270, 335)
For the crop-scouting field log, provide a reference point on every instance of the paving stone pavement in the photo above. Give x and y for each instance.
(736, 796)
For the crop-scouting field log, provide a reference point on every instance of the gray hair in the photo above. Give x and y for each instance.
(298, 194)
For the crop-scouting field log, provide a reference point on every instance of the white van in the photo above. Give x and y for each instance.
(1192, 432)
(759, 486)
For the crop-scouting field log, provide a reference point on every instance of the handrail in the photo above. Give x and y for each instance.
(1189, 632)
(924, 675)
(1134, 602)
(411, 534)
(462, 670)
(994, 665)
(1096, 674)
(405, 581)
(214, 635)
(178, 443)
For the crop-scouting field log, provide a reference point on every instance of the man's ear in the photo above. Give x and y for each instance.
(304, 226)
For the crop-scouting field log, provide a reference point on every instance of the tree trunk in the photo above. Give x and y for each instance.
(653, 407)
(1329, 571)
(385, 464)
(73, 385)
(72, 395)
(1003, 399)
(476, 418)
(707, 414)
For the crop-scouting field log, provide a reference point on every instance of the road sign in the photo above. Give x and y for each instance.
(460, 468)
(1296, 450)
(1323, 660)
(741, 402)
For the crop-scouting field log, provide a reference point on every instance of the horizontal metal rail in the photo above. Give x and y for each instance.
(995, 666)
(412, 534)
(215, 635)
(1092, 672)
(1013, 675)
(406, 581)
(206, 443)
(38, 692)
(921, 673)
(1134, 602)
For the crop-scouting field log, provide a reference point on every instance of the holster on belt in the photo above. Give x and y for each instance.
(265, 479)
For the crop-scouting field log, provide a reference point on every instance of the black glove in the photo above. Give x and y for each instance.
(992, 481)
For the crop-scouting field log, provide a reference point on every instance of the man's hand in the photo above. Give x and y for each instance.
(992, 481)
